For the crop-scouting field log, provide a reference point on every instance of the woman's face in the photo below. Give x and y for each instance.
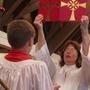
(70, 55)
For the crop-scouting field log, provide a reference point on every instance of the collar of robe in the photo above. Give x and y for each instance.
(15, 56)
(68, 68)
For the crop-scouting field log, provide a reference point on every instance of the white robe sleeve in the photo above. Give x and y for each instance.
(86, 67)
(44, 55)
(58, 78)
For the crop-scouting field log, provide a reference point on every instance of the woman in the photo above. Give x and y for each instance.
(74, 73)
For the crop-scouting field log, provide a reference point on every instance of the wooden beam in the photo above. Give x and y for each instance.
(56, 41)
(31, 6)
(8, 15)
(55, 27)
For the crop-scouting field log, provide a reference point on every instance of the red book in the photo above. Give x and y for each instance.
(63, 10)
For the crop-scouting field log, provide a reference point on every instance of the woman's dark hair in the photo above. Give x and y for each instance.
(77, 47)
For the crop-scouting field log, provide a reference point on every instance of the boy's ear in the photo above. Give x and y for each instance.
(30, 41)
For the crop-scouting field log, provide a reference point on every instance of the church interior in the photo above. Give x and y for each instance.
(56, 33)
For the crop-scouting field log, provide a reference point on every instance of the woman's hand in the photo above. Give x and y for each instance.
(84, 23)
(56, 86)
(38, 21)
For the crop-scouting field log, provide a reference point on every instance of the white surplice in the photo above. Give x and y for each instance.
(25, 75)
(44, 55)
(41, 81)
(73, 78)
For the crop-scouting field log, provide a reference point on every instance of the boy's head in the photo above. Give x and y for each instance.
(19, 32)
